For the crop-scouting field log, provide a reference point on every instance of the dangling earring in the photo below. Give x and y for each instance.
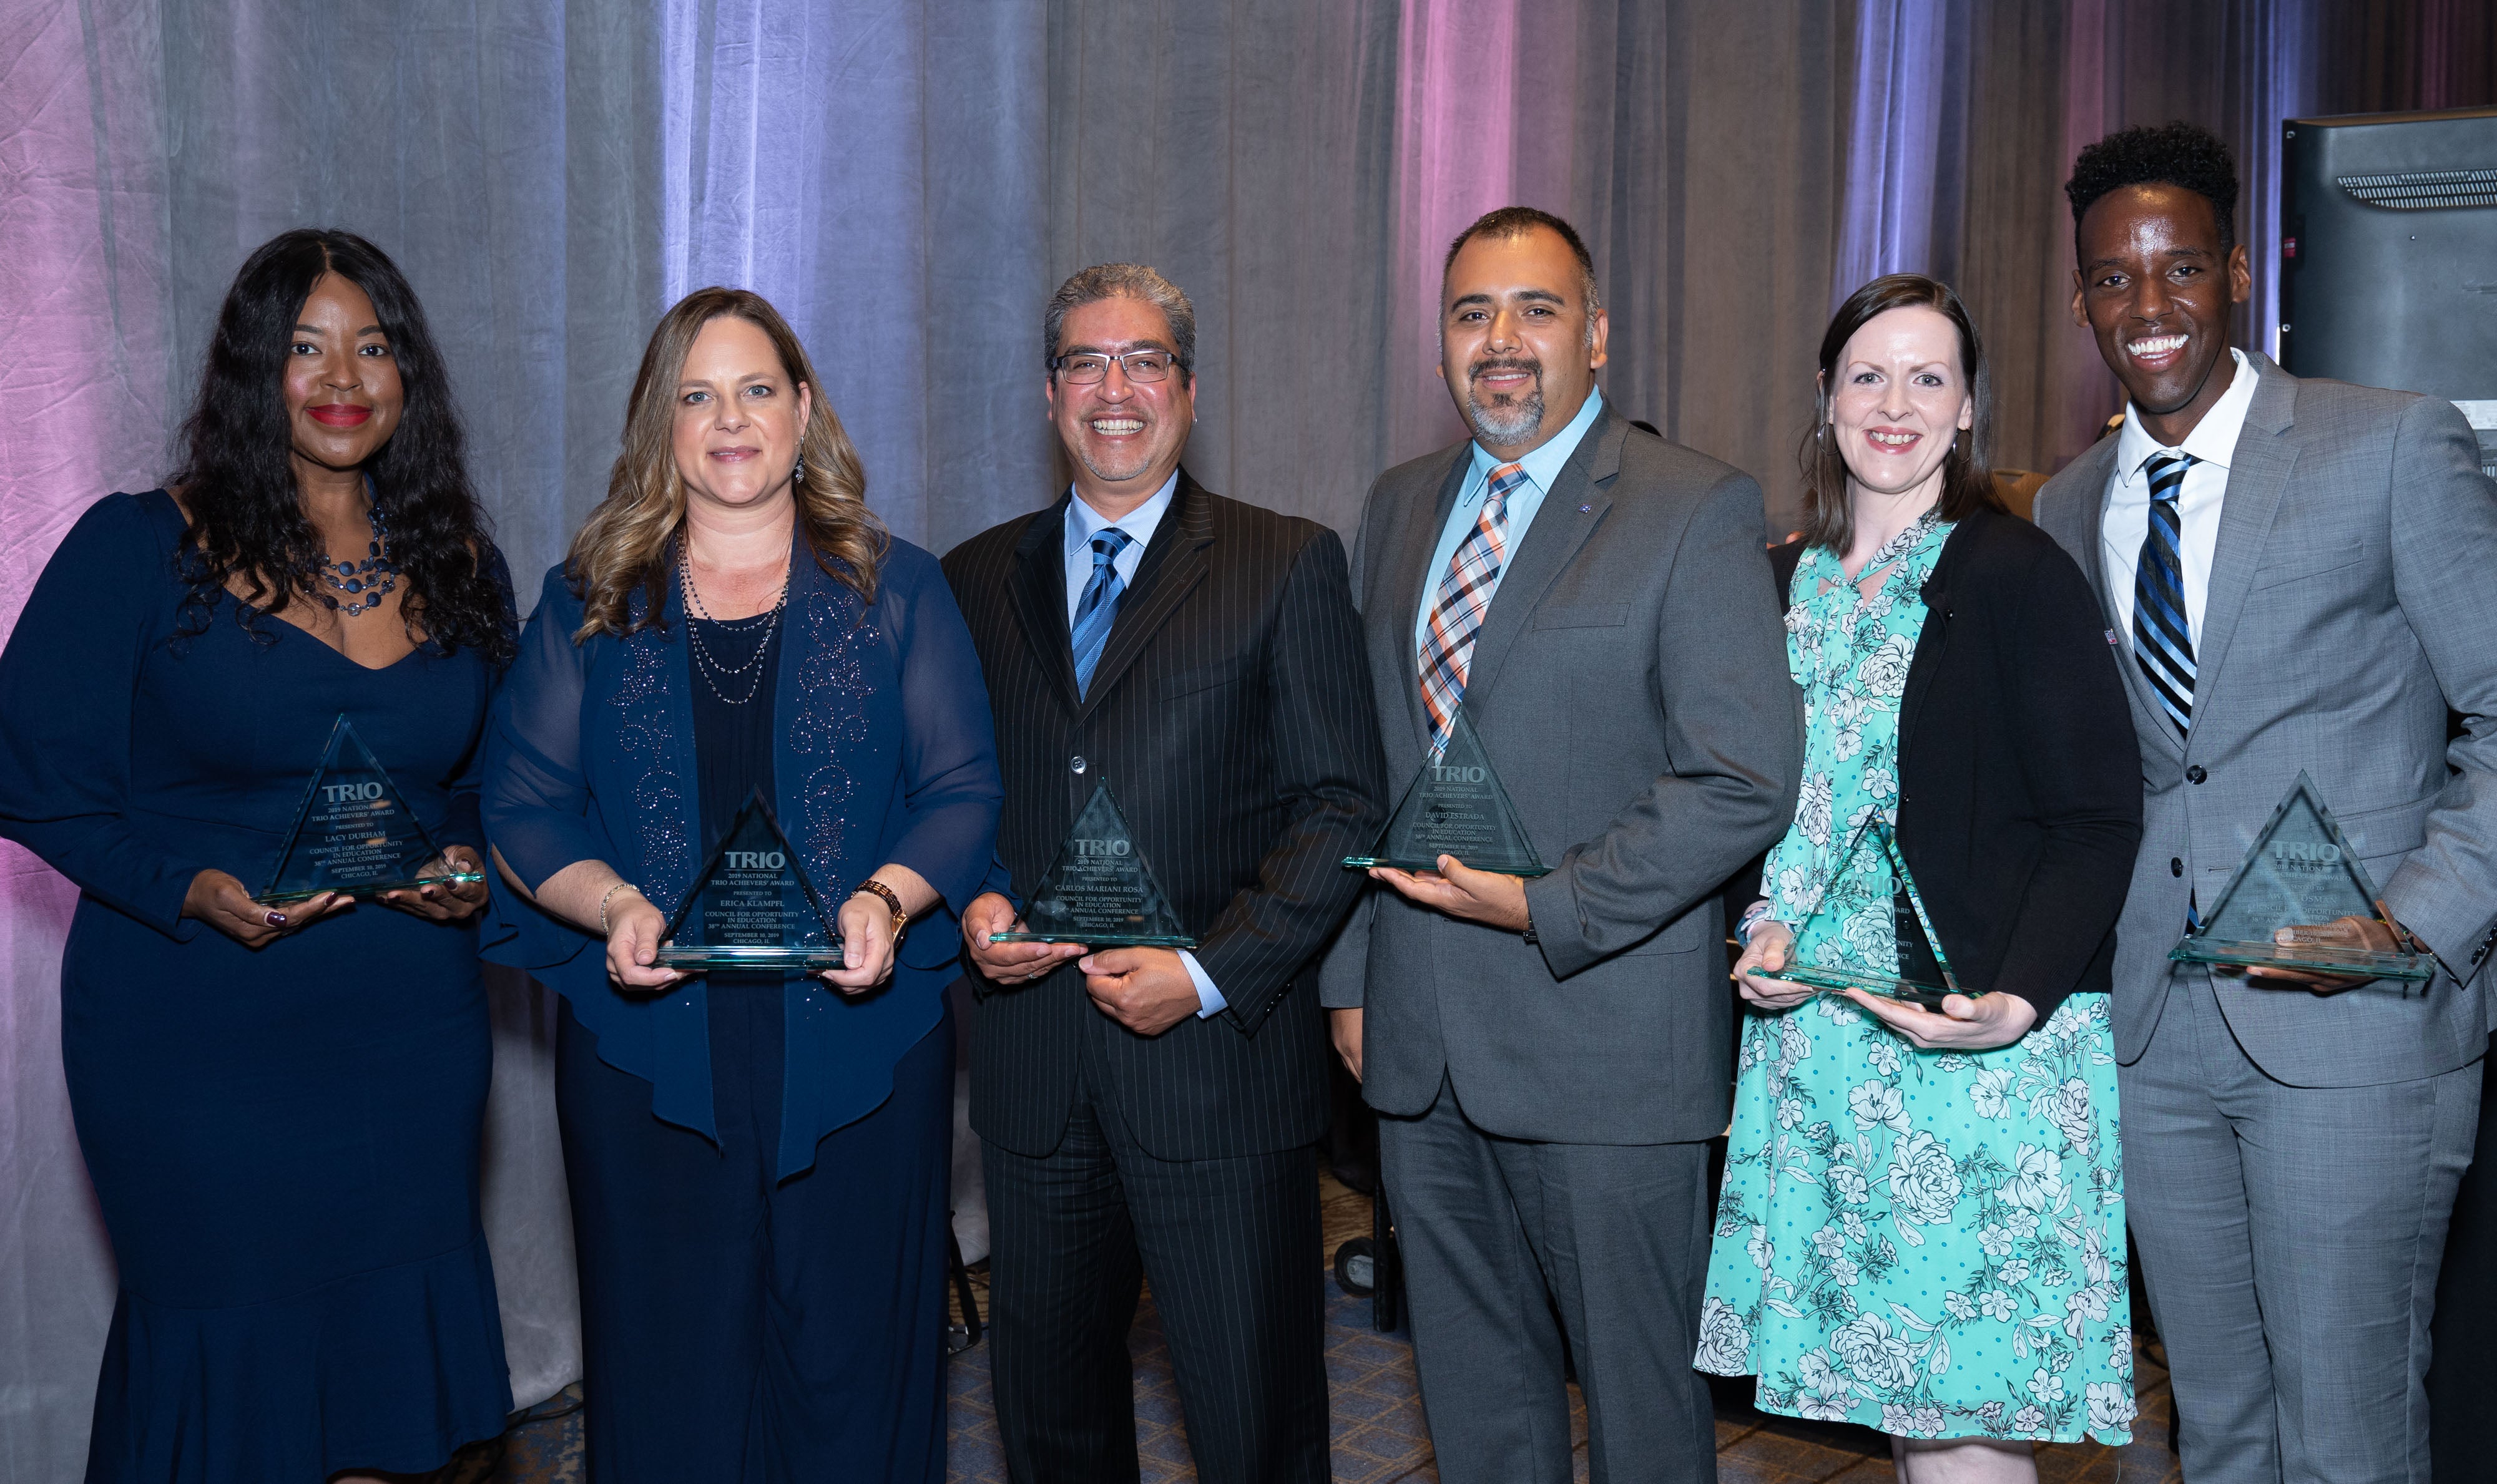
(798, 474)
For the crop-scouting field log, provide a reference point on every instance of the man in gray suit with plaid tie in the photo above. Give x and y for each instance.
(1548, 1056)
(2300, 574)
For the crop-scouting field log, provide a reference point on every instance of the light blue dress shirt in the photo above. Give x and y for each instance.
(1083, 523)
(1542, 467)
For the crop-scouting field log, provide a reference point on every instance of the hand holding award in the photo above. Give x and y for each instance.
(2300, 912)
(219, 899)
(450, 888)
(1001, 950)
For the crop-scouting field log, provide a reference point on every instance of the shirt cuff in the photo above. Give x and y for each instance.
(1208, 997)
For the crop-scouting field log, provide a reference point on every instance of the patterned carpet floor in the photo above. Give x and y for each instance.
(1379, 1435)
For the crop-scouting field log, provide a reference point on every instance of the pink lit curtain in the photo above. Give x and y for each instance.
(908, 179)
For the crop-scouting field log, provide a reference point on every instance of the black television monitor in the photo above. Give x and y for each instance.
(2389, 255)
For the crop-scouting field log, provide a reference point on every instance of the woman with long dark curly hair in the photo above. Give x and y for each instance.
(279, 1100)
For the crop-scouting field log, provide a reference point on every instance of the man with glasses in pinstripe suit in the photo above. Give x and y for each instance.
(1151, 1113)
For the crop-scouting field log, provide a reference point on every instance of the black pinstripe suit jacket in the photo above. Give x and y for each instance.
(1231, 713)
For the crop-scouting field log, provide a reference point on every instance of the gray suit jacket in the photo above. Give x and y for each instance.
(1630, 685)
(2353, 599)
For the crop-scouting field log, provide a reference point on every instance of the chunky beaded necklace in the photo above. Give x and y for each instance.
(708, 664)
(366, 583)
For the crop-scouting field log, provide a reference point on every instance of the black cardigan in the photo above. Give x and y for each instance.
(2019, 776)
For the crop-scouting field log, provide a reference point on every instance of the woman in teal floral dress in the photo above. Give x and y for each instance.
(1922, 1222)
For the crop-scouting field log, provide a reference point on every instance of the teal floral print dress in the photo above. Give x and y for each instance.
(1930, 1244)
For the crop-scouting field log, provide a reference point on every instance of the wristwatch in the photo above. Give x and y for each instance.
(900, 919)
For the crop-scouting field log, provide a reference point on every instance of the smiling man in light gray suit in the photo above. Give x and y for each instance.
(2293, 1142)
(1547, 1057)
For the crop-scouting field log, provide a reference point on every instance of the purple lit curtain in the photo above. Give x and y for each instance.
(908, 179)
(1966, 117)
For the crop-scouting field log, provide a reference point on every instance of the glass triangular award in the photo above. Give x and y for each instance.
(752, 907)
(1868, 929)
(1100, 893)
(1455, 807)
(354, 833)
(2302, 872)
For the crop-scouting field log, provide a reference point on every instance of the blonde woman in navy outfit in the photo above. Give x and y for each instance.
(758, 1163)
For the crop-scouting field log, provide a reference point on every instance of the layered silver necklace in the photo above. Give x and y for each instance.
(706, 664)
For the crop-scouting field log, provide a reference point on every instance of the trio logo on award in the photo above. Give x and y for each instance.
(2302, 872)
(1868, 897)
(354, 834)
(1100, 892)
(752, 907)
(1455, 807)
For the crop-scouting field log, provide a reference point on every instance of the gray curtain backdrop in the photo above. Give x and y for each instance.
(908, 179)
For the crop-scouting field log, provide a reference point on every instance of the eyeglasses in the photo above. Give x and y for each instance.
(1090, 367)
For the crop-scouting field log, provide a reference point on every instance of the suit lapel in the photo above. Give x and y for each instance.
(1415, 578)
(2257, 479)
(1174, 563)
(1039, 590)
(1570, 512)
(2094, 466)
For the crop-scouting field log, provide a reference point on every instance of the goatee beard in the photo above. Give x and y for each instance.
(1509, 418)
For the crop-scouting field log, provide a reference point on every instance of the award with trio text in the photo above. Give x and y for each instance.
(2302, 872)
(752, 907)
(1924, 974)
(1455, 807)
(1100, 892)
(354, 834)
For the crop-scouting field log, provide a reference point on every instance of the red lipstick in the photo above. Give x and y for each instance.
(339, 414)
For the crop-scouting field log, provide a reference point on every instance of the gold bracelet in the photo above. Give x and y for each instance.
(621, 886)
(875, 888)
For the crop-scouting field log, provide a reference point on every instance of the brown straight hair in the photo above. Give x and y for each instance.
(1968, 476)
(629, 539)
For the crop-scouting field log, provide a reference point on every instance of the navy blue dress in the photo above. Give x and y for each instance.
(758, 1164)
(284, 1142)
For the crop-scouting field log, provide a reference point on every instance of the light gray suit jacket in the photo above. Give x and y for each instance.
(2353, 599)
(1630, 685)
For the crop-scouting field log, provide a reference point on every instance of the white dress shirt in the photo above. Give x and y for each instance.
(2213, 443)
(1542, 467)
(1083, 523)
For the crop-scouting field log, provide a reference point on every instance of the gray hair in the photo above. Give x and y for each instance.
(1123, 280)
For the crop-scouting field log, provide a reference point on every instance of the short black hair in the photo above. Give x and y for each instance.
(2180, 154)
(1516, 222)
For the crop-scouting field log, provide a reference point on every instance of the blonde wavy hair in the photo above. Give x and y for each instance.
(629, 541)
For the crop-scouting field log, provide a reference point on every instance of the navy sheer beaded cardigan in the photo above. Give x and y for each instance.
(883, 752)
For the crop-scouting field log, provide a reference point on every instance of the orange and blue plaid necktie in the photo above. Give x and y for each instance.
(1458, 608)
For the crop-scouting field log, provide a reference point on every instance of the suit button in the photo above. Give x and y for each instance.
(1076, 765)
(2194, 773)
(2175, 867)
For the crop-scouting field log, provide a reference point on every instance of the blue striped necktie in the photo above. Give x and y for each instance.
(1098, 608)
(2162, 643)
